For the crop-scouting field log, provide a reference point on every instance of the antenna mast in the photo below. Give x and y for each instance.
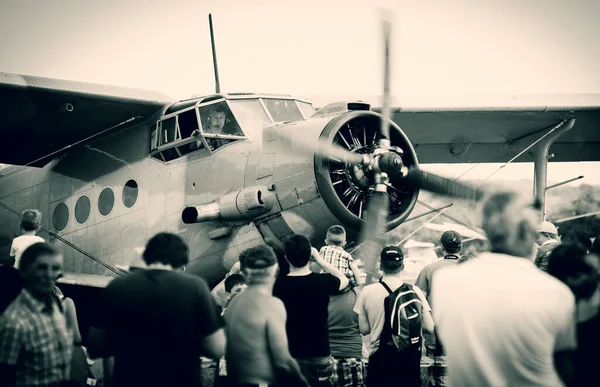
(214, 54)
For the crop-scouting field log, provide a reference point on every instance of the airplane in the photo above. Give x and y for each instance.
(111, 166)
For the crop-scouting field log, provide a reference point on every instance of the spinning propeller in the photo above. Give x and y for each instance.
(378, 167)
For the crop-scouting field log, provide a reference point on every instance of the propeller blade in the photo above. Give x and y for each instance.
(443, 185)
(301, 145)
(374, 232)
(387, 33)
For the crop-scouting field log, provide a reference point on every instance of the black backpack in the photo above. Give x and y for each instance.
(403, 323)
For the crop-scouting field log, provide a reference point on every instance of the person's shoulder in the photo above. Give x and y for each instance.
(191, 280)
(371, 288)
(275, 304)
(322, 277)
(417, 290)
(553, 287)
(17, 240)
(15, 316)
(444, 273)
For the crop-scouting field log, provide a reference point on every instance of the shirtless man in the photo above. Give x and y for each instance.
(257, 348)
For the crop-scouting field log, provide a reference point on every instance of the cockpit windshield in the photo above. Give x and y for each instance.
(283, 110)
(215, 123)
(252, 117)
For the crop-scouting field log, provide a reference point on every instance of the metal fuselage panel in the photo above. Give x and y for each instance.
(164, 190)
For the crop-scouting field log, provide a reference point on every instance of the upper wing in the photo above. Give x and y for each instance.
(41, 116)
(491, 129)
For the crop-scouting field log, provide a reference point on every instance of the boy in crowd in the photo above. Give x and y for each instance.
(30, 224)
(334, 254)
(234, 285)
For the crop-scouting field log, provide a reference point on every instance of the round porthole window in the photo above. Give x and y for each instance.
(82, 209)
(106, 201)
(130, 193)
(60, 217)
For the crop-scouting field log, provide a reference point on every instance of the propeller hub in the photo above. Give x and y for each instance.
(348, 183)
(361, 176)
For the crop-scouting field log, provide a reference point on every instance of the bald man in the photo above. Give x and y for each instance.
(502, 321)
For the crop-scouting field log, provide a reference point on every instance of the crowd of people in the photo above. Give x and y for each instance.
(525, 312)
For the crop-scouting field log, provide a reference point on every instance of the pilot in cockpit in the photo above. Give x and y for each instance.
(216, 124)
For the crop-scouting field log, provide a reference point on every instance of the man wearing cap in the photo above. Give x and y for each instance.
(386, 363)
(257, 347)
(451, 246)
(547, 240)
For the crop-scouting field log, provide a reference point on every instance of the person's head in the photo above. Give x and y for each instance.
(31, 220)
(336, 236)
(235, 284)
(510, 223)
(451, 242)
(391, 260)
(216, 119)
(167, 249)
(297, 250)
(259, 265)
(578, 270)
(578, 239)
(40, 266)
(546, 231)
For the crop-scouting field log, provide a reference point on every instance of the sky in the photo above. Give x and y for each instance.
(311, 48)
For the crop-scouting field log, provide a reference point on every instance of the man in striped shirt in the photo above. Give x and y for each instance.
(35, 343)
(334, 254)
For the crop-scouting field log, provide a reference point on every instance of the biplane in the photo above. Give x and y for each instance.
(110, 166)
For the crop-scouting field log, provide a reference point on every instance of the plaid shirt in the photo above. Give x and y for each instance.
(349, 372)
(35, 340)
(338, 257)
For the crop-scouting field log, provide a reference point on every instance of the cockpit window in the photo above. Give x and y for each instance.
(219, 126)
(168, 131)
(283, 110)
(252, 117)
(218, 119)
(306, 108)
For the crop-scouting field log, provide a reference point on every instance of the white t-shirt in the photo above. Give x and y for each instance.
(370, 304)
(21, 243)
(501, 320)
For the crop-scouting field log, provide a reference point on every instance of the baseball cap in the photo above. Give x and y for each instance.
(451, 239)
(392, 254)
(548, 227)
(259, 257)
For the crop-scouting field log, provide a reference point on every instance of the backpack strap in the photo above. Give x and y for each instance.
(385, 286)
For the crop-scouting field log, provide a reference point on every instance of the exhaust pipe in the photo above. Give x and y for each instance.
(244, 204)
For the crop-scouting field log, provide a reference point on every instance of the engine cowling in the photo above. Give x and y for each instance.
(347, 188)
